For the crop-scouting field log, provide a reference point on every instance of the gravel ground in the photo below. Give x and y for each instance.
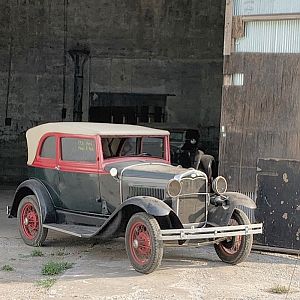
(101, 270)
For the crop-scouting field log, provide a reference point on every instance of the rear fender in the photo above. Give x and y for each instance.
(37, 188)
(220, 215)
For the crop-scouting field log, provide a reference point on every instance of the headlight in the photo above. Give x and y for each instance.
(174, 188)
(219, 185)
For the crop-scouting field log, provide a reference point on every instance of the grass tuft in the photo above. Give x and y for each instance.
(279, 289)
(46, 283)
(7, 268)
(37, 253)
(54, 268)
(60, 253)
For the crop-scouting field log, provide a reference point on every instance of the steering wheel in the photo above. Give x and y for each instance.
(144, 154)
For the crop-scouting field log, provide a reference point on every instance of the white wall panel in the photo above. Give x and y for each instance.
(270, 37)
(262, 7)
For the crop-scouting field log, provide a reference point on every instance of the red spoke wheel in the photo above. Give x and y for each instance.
(143, 246)
(235, 249)
(30, 225)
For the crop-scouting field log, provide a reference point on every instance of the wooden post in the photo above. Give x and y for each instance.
(228, 27)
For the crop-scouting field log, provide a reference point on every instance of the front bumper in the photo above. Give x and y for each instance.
(209, 232)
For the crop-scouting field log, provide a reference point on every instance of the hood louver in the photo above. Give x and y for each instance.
(158, 193)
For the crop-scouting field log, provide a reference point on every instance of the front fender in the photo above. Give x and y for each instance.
(239, 199)
(37, 188)
(118, 220)
(220, 215)
(150, 205)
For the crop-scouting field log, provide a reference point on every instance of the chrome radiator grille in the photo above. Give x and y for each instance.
(158, 193)
(192, 206)
(193, 185)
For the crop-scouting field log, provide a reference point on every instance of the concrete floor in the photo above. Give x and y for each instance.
(101, 270)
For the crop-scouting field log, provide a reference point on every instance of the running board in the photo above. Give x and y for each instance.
(76, 230)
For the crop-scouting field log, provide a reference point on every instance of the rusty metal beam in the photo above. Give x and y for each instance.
(273, 17)
(79, 58)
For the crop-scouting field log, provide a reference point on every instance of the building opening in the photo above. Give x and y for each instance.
(127, 108)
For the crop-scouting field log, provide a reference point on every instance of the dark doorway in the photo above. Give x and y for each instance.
(127, 108)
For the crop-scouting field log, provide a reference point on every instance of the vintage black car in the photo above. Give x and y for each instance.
(111, 180)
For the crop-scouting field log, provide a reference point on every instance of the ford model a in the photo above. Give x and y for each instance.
(112, 180)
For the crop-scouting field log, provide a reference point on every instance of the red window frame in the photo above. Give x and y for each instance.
(98, 166)
(77, 166)
(45, 162)
(166, 159)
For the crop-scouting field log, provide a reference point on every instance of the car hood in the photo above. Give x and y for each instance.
(154, 170)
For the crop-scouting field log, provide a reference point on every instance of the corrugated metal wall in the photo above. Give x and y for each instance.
(238, 79)
(263, 7)
(270, 37)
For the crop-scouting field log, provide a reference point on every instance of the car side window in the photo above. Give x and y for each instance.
(48, 148)
(78, 149)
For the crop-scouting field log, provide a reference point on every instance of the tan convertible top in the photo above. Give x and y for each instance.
(33, 135)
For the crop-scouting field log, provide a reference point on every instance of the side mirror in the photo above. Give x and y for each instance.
(113, 172)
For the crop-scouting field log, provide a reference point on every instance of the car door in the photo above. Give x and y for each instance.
(44, 167)
(79, 174)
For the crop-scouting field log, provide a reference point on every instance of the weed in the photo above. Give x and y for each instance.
(55, 268)
(36, 253)
(46, 283)
(60, 253)
(279, 289)
(7, 268)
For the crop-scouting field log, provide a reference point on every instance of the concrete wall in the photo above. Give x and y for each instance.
(138, 46)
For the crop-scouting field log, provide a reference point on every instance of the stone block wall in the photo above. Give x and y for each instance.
(136, 46)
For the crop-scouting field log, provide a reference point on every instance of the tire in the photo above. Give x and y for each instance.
(144, 249)
(235, 249)
(30, 223)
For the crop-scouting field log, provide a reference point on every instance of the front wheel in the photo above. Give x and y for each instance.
(237, 248)
(143, 246)
(30, 223)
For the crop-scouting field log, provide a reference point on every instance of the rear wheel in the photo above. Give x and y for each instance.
(144, 249)
(237, 248)
(30, 223)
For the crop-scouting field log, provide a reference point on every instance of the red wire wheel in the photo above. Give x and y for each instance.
(29, 220)
(235, 249)
(143, 246)
(30, 225)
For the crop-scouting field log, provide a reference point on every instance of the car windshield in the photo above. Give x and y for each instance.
(113, 147)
